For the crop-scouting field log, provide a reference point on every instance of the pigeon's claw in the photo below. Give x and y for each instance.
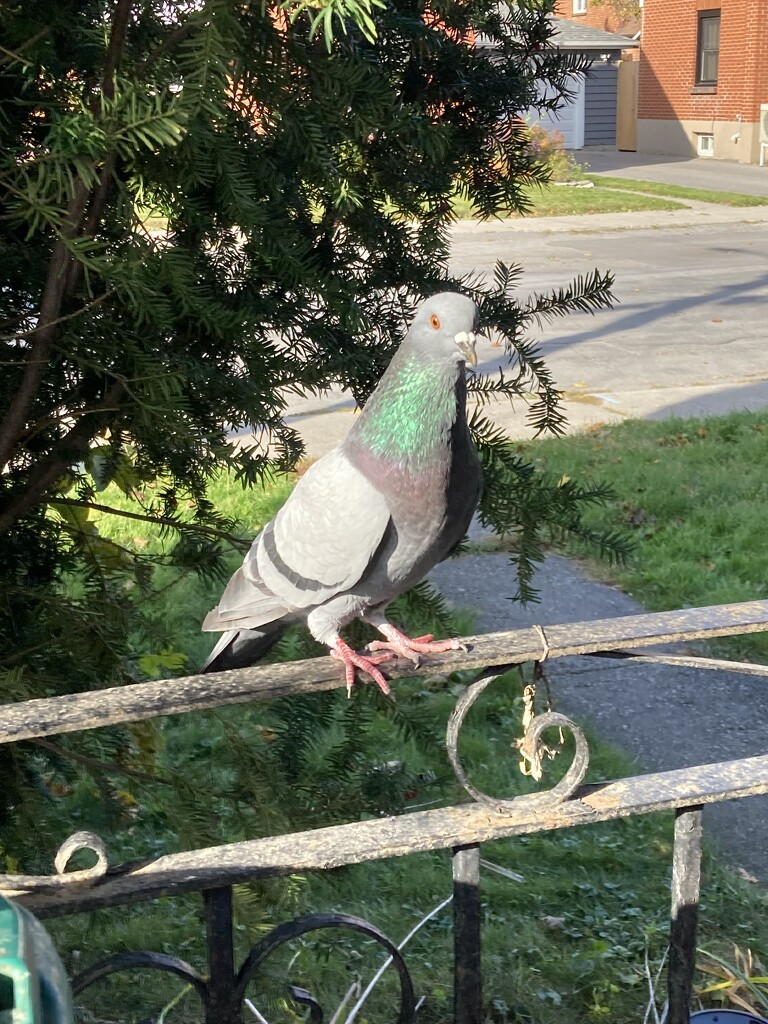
(401, 650)
(406, 647)
(352, 660)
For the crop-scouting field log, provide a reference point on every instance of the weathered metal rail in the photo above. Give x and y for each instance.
(51, 716)
(461, 828)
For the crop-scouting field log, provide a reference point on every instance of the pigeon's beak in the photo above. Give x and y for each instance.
(465, 343)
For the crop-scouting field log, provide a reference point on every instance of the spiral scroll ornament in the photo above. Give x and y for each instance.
(530, 747)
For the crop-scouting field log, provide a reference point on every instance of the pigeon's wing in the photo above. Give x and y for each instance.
(319, 545)
(325, 536)
(246, 602)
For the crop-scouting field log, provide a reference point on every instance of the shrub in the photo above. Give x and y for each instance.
(549, 150)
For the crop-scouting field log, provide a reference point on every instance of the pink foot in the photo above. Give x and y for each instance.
(352, 660)
(400, 644)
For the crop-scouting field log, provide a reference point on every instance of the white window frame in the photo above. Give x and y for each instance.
(705, 57)
(705, 144)
(579, 6)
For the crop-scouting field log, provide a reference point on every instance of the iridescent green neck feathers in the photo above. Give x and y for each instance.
(411, 412)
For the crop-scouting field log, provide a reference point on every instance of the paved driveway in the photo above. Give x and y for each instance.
(693, 172)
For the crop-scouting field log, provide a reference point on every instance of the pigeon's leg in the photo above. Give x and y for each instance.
(341, 650)
(406, 647)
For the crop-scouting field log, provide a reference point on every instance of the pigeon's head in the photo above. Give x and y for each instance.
(444, 328)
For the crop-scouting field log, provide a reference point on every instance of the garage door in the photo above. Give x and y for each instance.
(568, 119)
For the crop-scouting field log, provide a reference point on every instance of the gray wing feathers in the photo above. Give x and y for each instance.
(319, 545)
(246, 602)
(323, 538)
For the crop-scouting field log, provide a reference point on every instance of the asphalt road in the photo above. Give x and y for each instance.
(686, 336)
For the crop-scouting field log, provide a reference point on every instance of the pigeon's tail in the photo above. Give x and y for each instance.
(240, 648)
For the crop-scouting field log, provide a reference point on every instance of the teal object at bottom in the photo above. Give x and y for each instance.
(33, 986)
(725, 1017)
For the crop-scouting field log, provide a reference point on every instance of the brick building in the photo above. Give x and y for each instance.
(599, 15)
(703, 76)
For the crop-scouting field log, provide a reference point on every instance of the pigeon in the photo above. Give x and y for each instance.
(371, 517)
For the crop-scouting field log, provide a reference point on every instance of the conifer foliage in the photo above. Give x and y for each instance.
(208, 205)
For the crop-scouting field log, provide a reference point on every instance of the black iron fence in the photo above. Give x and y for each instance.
(461, 828)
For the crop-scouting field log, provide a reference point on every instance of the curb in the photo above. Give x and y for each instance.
(638, 220)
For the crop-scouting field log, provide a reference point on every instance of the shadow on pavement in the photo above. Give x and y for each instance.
(747, 397)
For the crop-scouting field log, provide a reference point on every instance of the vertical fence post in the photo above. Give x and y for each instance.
(467, 991)
(221, 957)
(686, 881)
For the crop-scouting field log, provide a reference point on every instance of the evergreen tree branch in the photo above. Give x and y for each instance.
(15, 56)
(71, 448)
(63, 272)
(176, 35)
(43, 336)
(92, 762)
(55, 418)
(97, 201)
(240, 543)
(115, 47)
(19, 335)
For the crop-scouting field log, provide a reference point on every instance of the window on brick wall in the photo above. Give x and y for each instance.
(707, 47)
(579, 6)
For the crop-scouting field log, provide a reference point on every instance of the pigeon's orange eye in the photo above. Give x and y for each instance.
(435, 322)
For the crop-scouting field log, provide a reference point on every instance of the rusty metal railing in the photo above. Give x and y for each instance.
(461, 828)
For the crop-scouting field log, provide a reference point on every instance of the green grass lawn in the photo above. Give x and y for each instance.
(693, 494)
(569, 941)
(562, 201)
(615, 195)
(678, 191)
(609, 195)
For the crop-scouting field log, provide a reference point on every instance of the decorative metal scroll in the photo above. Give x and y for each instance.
(312, 922)
(84, 876)
(531, 741)
(134, 961)
(258, 954)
